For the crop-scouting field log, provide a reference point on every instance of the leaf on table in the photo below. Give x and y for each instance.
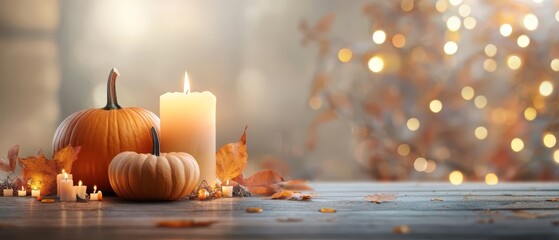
(10, 164)
(185, 223)
(42, 172)
(552, 200)
(296, 185)
(254, 210)
(231, 159)
(436, 200)
(286, 220)
(290, 195)
(402, 229)
(327, 210)
(378, 198)
(264, 183)
(530, 215)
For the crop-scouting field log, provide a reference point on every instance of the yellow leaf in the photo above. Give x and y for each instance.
(231, 159)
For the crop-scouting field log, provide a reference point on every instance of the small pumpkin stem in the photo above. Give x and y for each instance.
(112, 102)
(155, 149)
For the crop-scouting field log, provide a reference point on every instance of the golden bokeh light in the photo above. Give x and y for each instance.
(420, 164)
(546, 88)
(431, 166)
(523, 41)
(490, 65)
(557, 16)
(491, 179)
(413, 124)
(517, 144)
(404, 149)
(376, 64)
(556, 156)
(464, 10)
(555, 65)
(379, 36)
(399, 40)
(480, 133)
(345, 55)
(514, 62)
(490, 50)
(456, 177)
(436, 106)
(450, 48)
(455, 2)
(549, 140)
(480, 101)
(530, 22)
(530, 113)
(406, 5)
(470, 23)
(442, 6)
(453, 23)
(505, 30)
(467, 93)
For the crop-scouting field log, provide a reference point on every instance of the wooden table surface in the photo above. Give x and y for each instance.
(430, 210)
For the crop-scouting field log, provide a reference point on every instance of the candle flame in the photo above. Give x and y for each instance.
(63, 171)
(227, 183)
(65, 176)
(22, 189)
(80, 183)
(94, 188)
(186, 83)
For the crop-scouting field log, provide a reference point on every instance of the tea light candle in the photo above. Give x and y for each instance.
(59, 178)
(227, 190)
(67, 193)
(188, 125)
(35, 192)
(94, 195)
(22, 192)
(8, 192)
(80, 190)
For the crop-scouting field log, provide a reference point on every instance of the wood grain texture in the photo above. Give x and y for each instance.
(468, 211)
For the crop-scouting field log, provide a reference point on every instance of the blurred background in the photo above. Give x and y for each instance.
(388, 90)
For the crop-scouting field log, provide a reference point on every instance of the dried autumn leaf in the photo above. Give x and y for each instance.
(296, 185)
(290, 195)
(185, 223)
(381, 197)
(43, 171)
(231, 159)
(282, 195)
(10, 164)
(254, 210)
(552, 200)
(402, 229)
(264, 183)
(327, 210)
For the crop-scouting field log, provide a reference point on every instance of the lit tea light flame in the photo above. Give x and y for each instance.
(186, 83)
(80, 183)
(65, 176)
(94, 188)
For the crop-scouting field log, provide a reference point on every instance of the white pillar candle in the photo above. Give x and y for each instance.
(188, 125)
(35, 193)
(227, 191)
(8, 192)
(59, 178)
(93, 196)
(67, 193)
(22, 192)
(80, 190)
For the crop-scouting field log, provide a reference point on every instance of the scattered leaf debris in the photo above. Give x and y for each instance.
(402, 229)
(254, 210)
(552, 200)
(378, 198)
(290, 195)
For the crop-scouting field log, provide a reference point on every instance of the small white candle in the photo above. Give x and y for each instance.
(59, 178)
(8, 192)
(94, 196)
(227, 190)
(188, 125)
(67, 193)
(35, 193)
(22, 192)
(80, 190)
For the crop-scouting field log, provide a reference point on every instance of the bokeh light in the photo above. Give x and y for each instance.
(505, 30)
(514, 62)
(379, 36)
(376, 64)
(491, 179)
(467, 93)
(436, 106)
(404, 149)
(420, 164)
(530, 113)
(517, 144)
(480, 132)
(413, 124)
(456, 177)
(345, 55)
(549, 140)
(546, 88)
(530, 22)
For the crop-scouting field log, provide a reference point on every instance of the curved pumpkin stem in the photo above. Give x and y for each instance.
(112, 102)
(155, 149)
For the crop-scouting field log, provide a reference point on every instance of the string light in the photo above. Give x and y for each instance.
(523, 41)
(549, 140)
(456, 177)
(514, 62)
(530, 113)
(530, 22)
(453, 23)
(505, 30)
(379, 36)
(546, 88)
(436, 106)
(450, 48)
(480, 133)
(467, 93)
(517, 145)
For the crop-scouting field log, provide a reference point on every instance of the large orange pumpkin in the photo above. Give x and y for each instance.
(102, 134)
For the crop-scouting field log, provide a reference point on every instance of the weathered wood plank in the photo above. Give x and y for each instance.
(462, 214)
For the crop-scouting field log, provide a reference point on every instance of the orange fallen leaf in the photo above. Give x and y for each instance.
(185, 223)
(327, 210)
(47, 200)
(264, 183)
(290, 195)
(42, 171)
(552, 200)
(296, 185)
(231, 159)
(381, 197)
(254, 210)
(402, 229)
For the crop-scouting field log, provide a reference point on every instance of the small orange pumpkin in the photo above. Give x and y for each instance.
(102, 134)
(153, 177)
